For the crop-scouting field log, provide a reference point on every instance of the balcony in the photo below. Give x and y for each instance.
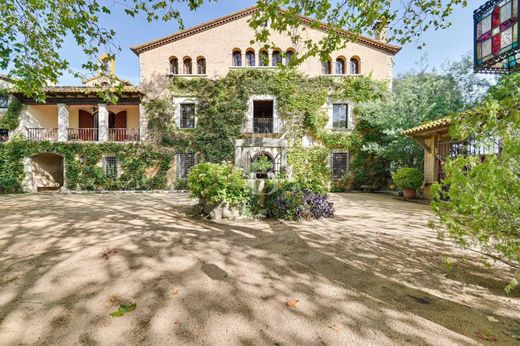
(124, 135)
(82, 134)
(263, 126)
(42, 134)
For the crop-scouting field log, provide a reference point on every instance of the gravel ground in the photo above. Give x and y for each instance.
(373, 274)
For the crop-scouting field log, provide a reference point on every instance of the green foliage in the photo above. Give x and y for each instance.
(11, 119)
(262, 164)
(416, 98)
(123, 309)
(408, 178)
(223, 104)
(32, 40)
(216, 183)
(479, 204)
(309, 163)
(81, 165)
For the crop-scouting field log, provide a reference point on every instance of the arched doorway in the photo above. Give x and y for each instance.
(47, 171)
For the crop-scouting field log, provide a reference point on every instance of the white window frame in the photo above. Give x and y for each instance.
(329, 108)
(177, 101)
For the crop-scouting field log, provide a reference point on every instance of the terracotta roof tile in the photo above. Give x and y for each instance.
(430, 125)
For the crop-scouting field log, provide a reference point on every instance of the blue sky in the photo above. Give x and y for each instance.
(442, 45)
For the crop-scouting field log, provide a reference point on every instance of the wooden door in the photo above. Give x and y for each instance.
(120, 125)
(86, 121)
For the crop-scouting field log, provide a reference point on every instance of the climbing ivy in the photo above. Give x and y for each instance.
(222, 105)
(11, 119)
(82, 165)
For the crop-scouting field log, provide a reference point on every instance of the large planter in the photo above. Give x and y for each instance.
(409, 193)
(219, 211)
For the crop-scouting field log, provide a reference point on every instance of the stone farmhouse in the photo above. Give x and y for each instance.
(76, 116)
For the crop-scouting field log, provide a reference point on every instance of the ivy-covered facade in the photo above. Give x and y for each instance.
(255, 110)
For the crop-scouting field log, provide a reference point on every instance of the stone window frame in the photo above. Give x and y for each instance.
(177, 102)
(248, 126)
(329, 108)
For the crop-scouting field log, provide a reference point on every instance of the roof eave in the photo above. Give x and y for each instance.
(393, 49)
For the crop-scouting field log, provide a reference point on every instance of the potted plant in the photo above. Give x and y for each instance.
(408, 179)
(261, 166)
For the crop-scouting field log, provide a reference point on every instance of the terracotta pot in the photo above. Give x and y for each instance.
(409, 193)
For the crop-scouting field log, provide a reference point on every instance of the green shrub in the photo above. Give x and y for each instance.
(262, 164)
(408, 178)
(9, 185)
(181, 184)
(217, 183)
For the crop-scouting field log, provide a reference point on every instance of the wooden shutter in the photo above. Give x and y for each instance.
(121, 120)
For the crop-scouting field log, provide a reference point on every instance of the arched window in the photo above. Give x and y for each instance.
(277, 58)
(325, 67)
(201, 65)
(354, 66)
(289, 55)
(237, 57)
(263, 58)
(250, 57)
(174, 65)
(187, 66)
(340, 66)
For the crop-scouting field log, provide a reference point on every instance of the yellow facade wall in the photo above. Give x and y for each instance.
(217, 44)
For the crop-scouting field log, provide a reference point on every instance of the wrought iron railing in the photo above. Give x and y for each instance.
(263, 126)
(83, 134)
(123, 135)
(42, 134)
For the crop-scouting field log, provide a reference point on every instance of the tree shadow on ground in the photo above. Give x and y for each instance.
(372, 274)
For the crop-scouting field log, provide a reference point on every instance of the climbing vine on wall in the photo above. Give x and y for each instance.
(11, 119)
(222, 105)
(143, 166)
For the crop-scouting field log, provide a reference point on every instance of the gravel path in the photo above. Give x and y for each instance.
(373, 274)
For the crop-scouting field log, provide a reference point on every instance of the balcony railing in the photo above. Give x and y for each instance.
(42, 134)
(263, 126)
(123, 135)
(83, 135)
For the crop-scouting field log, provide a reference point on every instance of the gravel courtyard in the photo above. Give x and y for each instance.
(373, 274)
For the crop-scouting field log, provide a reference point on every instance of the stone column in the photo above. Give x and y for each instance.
(143, 123)
(103, 122)
(63, 122)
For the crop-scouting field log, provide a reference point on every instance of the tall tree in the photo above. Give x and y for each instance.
(33, 32)
(479, 201)
(416, 98)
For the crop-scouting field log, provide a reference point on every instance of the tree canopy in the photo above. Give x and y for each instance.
(418, 97)
(479, 200)
(33, 32)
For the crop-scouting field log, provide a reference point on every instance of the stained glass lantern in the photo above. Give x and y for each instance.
(497, 45)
